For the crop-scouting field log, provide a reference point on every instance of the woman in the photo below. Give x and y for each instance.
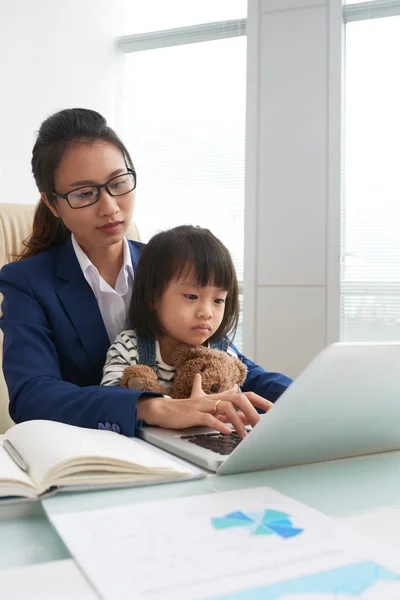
(67, 297)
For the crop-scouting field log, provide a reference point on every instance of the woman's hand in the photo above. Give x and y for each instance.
(209, 410)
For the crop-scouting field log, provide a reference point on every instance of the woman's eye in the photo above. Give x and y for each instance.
(85, 195)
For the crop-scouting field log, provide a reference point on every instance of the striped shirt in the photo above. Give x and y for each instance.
(124, 352)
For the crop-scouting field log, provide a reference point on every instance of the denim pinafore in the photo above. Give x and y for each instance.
(146, 349)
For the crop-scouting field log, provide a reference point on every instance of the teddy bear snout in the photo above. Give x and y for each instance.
(214, 389)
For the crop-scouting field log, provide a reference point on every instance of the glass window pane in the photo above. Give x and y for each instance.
(182, 115)
(371, 212)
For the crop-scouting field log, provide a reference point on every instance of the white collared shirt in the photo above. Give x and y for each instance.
(113, 302)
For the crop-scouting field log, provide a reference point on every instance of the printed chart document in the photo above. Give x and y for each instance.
(245, 545)
(38, 458)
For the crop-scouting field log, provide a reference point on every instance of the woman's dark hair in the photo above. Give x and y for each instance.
(178, 252)
(55, 135)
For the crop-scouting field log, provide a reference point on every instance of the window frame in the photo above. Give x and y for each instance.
(193, 34)
(375, 9)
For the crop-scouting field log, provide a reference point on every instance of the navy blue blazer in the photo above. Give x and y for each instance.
(55, 346)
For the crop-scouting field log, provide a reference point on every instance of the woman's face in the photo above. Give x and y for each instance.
(101, 224)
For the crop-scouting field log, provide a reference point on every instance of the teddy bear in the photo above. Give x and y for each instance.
(219, 372)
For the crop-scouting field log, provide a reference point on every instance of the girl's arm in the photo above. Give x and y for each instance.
(121, 354)
(32, 371)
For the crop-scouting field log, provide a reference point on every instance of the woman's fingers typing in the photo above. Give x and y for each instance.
(230, 406)
(231, 415)
(234, 401)
(208, 420)
(178, 414)
(258, 401)
(218, 411)
(241, 416)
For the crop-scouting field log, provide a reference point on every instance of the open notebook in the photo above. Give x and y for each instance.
(61, 457)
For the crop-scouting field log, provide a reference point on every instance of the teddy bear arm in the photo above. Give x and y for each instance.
(141, 377)
(242, 372)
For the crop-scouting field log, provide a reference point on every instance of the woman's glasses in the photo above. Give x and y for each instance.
(90, 194)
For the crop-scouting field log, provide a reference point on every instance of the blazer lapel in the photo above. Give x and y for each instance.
(135, 248)
(81, 306)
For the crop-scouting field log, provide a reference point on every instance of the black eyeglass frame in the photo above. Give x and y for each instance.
(98, 188)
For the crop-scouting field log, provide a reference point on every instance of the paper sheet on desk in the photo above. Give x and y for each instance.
(59, 580)
(244, 544)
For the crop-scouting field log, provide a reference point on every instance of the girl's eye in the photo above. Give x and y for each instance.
(219, 301)
(191, 296)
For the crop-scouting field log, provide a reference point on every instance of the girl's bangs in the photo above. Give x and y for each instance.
(207, 266)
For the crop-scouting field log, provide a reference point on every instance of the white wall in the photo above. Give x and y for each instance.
(53, 55)
(293, 181)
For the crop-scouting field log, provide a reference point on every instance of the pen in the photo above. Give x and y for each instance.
(17, 458)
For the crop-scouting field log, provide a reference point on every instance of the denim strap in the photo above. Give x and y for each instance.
(146, 350)
(220, 344)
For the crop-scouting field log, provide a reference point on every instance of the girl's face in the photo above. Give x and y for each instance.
(101, 224)
(190, 313)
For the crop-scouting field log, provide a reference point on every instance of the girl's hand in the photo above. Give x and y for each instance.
(207, 410)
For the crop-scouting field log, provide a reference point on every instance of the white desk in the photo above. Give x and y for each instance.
(365, 492)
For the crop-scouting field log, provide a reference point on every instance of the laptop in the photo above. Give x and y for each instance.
(345, 403)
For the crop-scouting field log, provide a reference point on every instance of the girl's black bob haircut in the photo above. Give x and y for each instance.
(175, 253)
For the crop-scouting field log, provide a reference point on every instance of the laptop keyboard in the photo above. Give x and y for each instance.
(217, 442)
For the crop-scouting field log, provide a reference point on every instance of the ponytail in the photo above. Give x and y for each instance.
(47, 230)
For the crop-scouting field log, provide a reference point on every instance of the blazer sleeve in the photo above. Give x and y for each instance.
(32, 371)
(261, 382)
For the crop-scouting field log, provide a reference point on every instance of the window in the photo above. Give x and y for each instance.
(370, 272)
(181, 112)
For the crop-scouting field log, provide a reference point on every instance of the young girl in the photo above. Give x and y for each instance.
(185, 291)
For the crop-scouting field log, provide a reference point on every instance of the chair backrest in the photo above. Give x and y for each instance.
(15, 226)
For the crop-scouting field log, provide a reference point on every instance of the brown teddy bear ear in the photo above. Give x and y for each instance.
(184, 352)
(242, 372)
